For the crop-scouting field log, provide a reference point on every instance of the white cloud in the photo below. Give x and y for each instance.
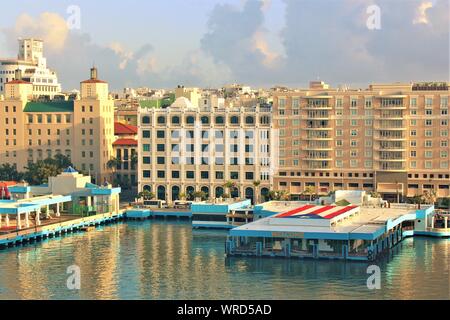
(421, 13)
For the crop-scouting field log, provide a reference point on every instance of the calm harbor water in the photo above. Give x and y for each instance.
(158, 259)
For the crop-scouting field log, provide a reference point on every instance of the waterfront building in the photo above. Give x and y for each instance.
(33, 65)
(69, 194)
(187, 149)
(35, 129)
(389, 138)
(335, 232)
(125, 151)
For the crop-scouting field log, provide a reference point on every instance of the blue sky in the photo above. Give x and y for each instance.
(213, 42)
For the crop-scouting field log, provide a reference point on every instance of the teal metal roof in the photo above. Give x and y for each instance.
(50, 106)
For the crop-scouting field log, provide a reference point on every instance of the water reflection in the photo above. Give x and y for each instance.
(168, 260)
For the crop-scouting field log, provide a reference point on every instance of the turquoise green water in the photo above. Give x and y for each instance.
(168, 260)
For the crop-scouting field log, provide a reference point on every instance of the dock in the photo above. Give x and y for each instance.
(142, 214)
(58, 228)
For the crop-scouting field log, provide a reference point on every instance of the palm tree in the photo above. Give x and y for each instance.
(429, 197)
(182, 196)
(146, 195)
(278, 195)
(229, 185)
(309, 190)
(134, 160)
(256, 185)
(112, 164)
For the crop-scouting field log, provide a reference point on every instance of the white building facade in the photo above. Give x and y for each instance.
(186, 149)
(33, 64)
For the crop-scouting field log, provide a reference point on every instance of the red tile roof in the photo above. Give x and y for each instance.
(7, 183)
(122, 128)
(18, 82)
(93, 81)
(125, 142)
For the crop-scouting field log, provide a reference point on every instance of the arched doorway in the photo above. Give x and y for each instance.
(205, 190)
(190, 193)
(264, 194)
(219, 192)
(175, 193)
(161, 193)
(234, 192)
(249, 194)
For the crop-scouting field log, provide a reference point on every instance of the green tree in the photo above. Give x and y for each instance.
(228, 186)
(281, 195)
(309, 190)
(8, 172)
(146, 195)
(256, 184)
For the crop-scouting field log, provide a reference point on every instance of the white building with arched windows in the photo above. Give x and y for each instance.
(184, 149)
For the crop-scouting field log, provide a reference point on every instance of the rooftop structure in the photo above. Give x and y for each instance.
(33, 67)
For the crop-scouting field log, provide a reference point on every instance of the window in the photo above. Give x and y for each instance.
(161, 174)
(145, 119)
(160, 134)
(189, 174)
(249, 120)
(160, 147)
(146, 147)
(146, 134)
(234, 175)
(220, 120)
(219, 175)
(161, 120)
(146, 160)
(175, 174)
(146, 173)
(190, 120)
(175, 120)
(204, 174)
(249, 175)
(234, 120)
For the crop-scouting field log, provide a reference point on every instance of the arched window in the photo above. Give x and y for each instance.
(190, 193)
(205, 190)
(147, 188)
(219, 192)
(249, 120)
(204, 120)
(220, 120)
(161, 120)
(249, 194)
(234, 120)
(175, 120)
(161, 193)
(175, 193)
(145, 119)
(190, 120)
(264, 194)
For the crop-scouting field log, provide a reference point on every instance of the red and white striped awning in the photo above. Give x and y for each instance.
(325, 212)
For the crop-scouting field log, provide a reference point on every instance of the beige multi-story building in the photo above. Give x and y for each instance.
(185, 148)
(125, 147)
(82, 129)
(389, 138)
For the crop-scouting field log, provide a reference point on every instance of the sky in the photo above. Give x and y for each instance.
(209, 43)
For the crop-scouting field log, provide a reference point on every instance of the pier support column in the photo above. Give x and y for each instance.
(58, 214)
(7, 220)
(432, 221)
(18, 224)
(27, 221)
(38, 218)
(445, 222)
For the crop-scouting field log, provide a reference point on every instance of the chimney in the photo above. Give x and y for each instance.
(18, 74)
